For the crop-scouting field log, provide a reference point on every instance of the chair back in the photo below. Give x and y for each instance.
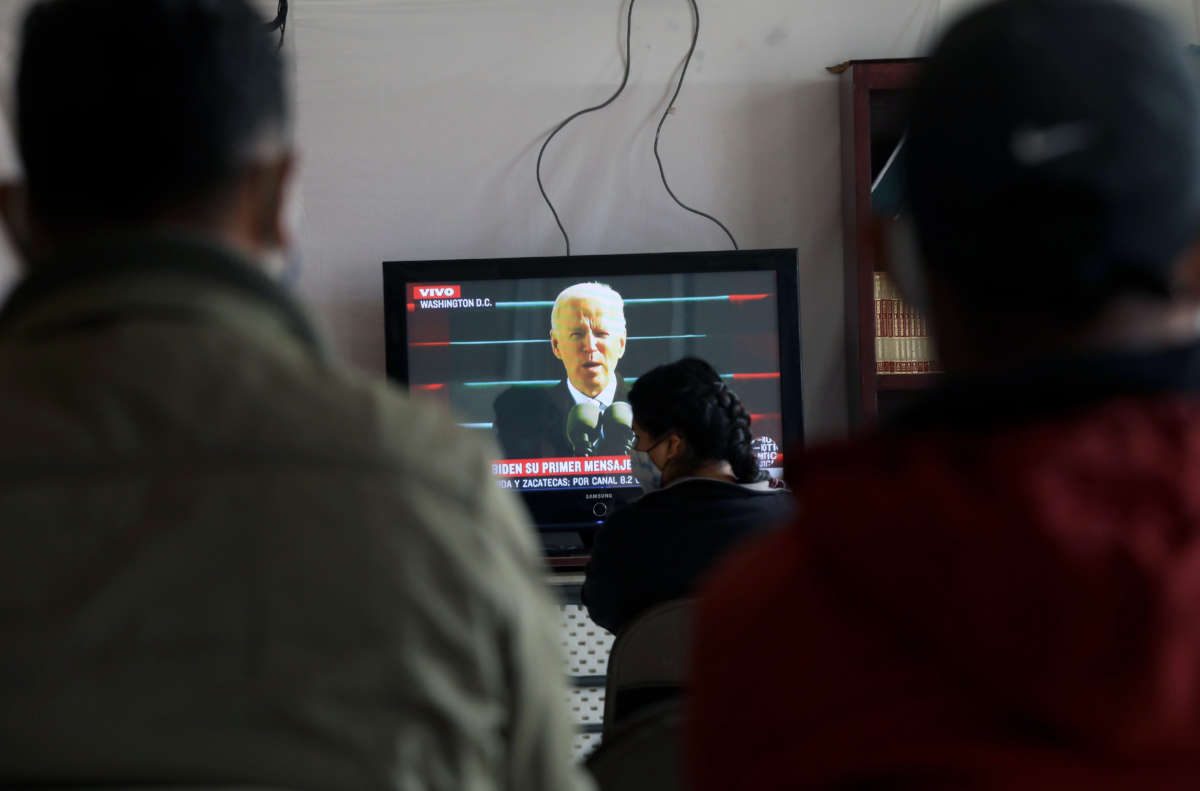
(644, 754)
(649, 660)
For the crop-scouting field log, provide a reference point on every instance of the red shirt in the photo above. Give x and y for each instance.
(967, 606)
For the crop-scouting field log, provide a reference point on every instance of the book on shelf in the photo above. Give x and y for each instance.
(902, 342)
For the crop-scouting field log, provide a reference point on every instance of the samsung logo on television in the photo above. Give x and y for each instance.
(604, 496)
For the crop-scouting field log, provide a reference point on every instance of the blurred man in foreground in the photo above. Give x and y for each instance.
(227, 559)
(1002, 588)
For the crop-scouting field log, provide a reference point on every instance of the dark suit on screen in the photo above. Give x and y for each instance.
(531, 421)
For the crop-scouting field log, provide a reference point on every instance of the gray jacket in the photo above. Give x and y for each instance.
(226, 559)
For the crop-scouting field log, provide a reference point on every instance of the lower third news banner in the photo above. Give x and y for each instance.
(588, 472)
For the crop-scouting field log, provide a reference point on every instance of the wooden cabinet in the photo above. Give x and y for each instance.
(872, 125)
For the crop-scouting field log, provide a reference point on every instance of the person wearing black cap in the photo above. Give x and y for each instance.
(1001, 587)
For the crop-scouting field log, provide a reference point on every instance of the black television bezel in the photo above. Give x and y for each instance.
(397, 275)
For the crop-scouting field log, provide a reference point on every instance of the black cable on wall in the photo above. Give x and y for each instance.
(572, 117)
(280, 21)
(657, 133)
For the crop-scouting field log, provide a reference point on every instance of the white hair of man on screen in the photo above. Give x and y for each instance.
(587, 334)
(597, 293)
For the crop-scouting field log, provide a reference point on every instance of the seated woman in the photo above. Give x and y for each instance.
(704, 493)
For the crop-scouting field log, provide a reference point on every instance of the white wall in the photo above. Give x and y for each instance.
(419, 122)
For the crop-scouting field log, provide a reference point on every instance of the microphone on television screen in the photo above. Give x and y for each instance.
(583, 428)
(617, 426)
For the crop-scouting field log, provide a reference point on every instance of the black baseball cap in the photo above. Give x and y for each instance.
(1052, 159)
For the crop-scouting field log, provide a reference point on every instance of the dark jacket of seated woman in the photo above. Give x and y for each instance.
(704, 494)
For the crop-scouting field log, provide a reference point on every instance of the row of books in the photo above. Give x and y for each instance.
(893, 317)
(905, 356)
(902, 342)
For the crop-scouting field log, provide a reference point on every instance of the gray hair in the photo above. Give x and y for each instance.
(600, 293)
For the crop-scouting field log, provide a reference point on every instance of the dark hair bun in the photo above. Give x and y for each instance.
(689, 397)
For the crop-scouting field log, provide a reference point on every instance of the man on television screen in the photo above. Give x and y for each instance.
(574, 417)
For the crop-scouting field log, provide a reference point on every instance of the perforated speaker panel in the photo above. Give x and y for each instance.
(585, 644)
(587, 705)
(584, 744)
(585, 649)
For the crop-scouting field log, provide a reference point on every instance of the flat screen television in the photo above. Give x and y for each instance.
(476, 334)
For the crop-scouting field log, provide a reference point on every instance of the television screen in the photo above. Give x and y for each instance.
(541, 353)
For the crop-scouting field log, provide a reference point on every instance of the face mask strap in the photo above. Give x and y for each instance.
(661, 470)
